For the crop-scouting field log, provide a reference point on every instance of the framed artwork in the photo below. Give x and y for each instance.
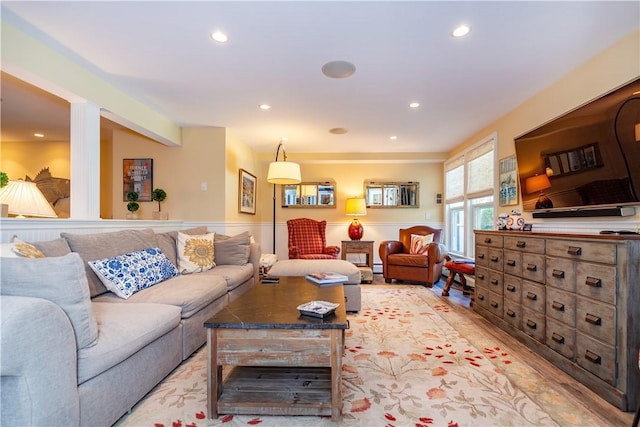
(508, 181)
(247, 193)
(137, 175)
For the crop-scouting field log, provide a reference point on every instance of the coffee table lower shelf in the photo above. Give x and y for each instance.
(262, 390)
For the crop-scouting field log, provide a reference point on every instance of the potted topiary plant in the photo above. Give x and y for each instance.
(158, 195)
(132, 206)
(4, 208)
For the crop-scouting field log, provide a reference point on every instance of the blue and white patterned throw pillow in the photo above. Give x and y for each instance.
(124, 275)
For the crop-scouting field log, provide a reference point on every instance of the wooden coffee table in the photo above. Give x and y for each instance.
(283, 363)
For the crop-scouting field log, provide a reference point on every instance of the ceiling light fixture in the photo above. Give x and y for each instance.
(414, 104)
(219, 36)
(393, 137)
(338, 69)
(265, 107)
(39, 135)
(338, 131)
(461, 31)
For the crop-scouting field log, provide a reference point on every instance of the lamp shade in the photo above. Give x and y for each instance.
(284, 173)
(355, 206)
(537, 183)
(25, 199)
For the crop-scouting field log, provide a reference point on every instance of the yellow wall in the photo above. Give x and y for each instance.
(239, 156)
(612, 68)
(20, 159)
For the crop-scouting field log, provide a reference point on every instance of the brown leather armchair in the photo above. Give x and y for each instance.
(398, 263)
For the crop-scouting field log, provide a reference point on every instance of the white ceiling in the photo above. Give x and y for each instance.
(161, 54)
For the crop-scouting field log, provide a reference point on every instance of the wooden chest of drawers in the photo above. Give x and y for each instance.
(574, 299)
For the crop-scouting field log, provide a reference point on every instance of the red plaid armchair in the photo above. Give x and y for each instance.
(307, 240)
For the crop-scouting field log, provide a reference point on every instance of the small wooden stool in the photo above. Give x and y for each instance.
(460, 269)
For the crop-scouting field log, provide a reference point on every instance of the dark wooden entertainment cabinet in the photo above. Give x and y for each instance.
(574, 299)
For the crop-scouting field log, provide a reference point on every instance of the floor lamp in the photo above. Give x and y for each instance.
(281, 172)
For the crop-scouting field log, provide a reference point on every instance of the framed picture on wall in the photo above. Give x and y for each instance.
(137, 175)
(247, 193)
(508, 181)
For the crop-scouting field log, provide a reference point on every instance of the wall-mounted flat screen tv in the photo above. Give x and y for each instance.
(587, 158)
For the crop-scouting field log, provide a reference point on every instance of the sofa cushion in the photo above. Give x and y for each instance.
(190, 292)
(234, 275)
(105, 245)
(302, 267)
(420, 244)
(124, 275)
(232, 250)
(167, 241)
(61, 280)
(124, 329)
(195, 253)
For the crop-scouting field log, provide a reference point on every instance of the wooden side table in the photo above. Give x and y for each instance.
(359, 247)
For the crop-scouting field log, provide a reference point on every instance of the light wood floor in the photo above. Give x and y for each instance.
(577, 393)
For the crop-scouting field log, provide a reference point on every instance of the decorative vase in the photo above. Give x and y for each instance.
(132, 215)
(159, 215)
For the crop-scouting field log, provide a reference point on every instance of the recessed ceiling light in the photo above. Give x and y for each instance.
(38, 135)
(338, 131)
(414, 104)
(461, 31)
(265, 107)
(338, 69)
(393, 137)
(219, 36)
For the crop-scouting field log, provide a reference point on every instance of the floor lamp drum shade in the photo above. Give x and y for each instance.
(355, 206)
(284, 173)
(25, 199)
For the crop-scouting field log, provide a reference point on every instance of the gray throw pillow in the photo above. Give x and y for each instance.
(107, 245)
(232, 250)
(57, 247)
(61, 280)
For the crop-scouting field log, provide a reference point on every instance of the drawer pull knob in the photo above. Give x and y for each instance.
(487, 239)
(511, 263)
(511, 313)
(532, 296)
(593, 282)
(559, 274)
(481, 297)
(494, 304)
(481, 256)
(480, 276)
(494, 281)
(558, 306)
(532, 267)
(521, 244)
(592, 357)
(494, 259)
(594, 320)
(574, 250)
(511, 288)
(531, 324)
(557, 338)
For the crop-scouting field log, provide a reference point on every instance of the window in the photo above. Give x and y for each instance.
(469, 195)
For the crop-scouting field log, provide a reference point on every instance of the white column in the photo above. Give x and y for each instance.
(85, 161)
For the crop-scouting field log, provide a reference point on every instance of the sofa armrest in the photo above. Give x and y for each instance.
(38, 369)
(255, 251)
(332, 250)
(437, 253)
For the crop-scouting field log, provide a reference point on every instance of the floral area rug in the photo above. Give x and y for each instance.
(405, 365)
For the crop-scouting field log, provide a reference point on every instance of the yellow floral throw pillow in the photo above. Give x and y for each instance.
(25, 249)
(195, 252)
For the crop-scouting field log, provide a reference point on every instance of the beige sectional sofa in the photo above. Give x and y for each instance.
(74, 353)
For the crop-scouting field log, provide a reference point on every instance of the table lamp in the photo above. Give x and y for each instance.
(25, 199)
(539, 183)
(355, 206)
